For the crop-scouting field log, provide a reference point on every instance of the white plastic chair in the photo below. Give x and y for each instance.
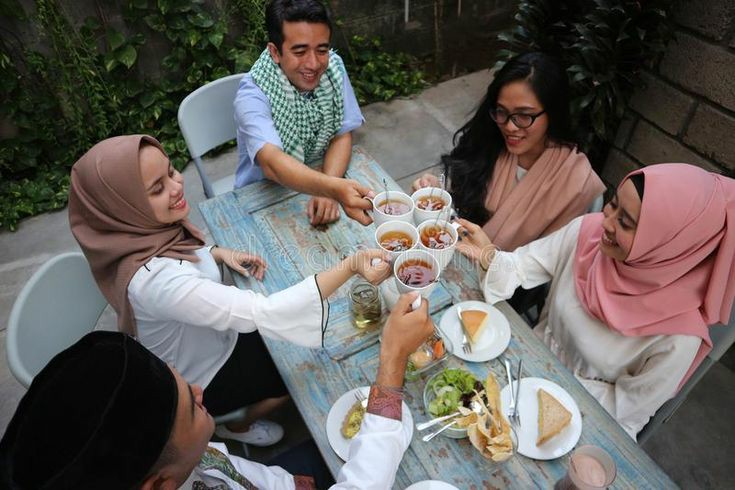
(207, 119)
(57, 306)
(723, 337)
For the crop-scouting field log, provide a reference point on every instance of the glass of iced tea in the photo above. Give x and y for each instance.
(365, 305)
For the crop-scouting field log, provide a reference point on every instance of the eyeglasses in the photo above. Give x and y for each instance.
(521, 120)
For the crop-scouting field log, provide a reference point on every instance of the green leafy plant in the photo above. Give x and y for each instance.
(604, 44)
(56, 105)
(378, 75)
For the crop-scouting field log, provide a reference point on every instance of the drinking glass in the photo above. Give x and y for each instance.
(365, 305)
(590, 468)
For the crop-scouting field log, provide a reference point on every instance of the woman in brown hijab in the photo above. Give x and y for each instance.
(128, 212)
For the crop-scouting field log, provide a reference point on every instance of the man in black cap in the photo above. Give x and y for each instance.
(108, 414)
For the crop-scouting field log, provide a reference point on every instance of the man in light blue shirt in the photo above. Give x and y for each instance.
(297, 105)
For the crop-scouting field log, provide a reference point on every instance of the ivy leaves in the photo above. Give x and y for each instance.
(88, 86)
(377, 75)
(121, 51)
(604, 44)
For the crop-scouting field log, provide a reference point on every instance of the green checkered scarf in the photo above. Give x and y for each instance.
(305, 123)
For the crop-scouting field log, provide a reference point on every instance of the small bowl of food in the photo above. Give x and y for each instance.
(446, 391)
(428, 356)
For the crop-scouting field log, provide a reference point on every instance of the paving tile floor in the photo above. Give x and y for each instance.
(695, 448)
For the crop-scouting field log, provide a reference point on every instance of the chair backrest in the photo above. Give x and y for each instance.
(207, 115)
(207, 119)
(723, 337)
(58, 305)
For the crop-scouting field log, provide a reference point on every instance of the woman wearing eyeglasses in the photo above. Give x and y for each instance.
(515, 169)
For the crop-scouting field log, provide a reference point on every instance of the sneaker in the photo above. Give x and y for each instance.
(261, 433)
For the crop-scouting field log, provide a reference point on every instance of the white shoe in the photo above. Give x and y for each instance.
(261, 433)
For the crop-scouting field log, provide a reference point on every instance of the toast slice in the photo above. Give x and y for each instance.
(553, 417)
(474, 323)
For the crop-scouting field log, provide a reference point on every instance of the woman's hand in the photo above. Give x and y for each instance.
(475, 244)
(244, 263)
(426, 180)
(372, 264)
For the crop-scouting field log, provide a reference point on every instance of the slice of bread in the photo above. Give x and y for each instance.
(552, 416)
(474, 323)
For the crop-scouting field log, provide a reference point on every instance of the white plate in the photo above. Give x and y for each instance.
(558, 445)
(493, 340)
(337, 414)
(432, 485)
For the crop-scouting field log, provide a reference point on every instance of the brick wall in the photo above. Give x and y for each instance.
(685, 110)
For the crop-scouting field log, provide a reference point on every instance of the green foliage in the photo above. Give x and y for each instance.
(377, 75)
(56, 105)
(604, 44)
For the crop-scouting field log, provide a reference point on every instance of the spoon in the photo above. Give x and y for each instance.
(474, 406)
(429, 437)
(388, 209)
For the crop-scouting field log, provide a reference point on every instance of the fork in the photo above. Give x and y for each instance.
(512, 405)
(360, 398)
(515, 418)
(466, 346)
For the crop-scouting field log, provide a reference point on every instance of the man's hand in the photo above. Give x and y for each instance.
(403, 333)
(322, 210)
(351, 195)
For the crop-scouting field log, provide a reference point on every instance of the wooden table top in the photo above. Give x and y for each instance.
(270, 220)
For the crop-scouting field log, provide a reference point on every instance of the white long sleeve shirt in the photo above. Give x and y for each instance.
(630, 376)
(374, 457)
(190, 320)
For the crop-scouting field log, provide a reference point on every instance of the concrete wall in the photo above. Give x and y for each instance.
(685, 112)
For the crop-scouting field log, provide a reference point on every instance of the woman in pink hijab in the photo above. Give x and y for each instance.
(633, 289)
(128, 212)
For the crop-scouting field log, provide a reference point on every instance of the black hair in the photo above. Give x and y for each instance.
(479, 142)
(169, 455)
(639, 183)
(279, 11)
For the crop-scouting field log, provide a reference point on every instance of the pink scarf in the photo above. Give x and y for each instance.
(560, 186)
(114, 224)
(680, 274)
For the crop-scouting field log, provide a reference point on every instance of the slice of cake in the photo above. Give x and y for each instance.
(474, 323)
(552, 417)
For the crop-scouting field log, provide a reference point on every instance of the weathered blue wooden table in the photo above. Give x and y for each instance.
(270, 220)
